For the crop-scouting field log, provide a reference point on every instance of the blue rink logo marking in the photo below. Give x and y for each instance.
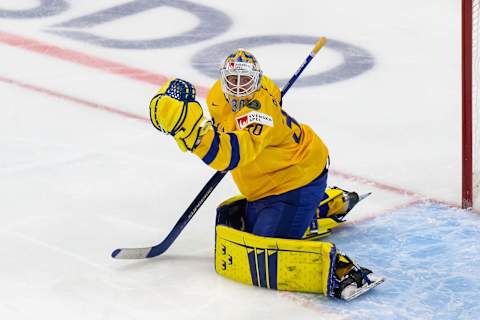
(212, 23)
(355, 60)
(205, 29)
(45, 8)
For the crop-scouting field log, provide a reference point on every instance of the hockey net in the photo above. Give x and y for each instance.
(470, 104)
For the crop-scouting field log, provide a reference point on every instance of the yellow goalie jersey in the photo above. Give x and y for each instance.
(267, 151)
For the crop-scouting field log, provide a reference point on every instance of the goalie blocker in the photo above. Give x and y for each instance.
(285, 264)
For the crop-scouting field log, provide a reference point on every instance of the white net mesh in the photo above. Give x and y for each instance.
(475, 103)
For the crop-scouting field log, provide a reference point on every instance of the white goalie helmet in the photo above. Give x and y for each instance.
(240, 77)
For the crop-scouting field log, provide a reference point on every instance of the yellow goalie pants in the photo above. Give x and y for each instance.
(281, 264)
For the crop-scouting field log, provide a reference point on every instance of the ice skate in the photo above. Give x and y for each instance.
(350, 200)
(340, 202)
(357, 282)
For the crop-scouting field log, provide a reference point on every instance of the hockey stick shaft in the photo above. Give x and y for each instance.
(150, 252)
(320, 43)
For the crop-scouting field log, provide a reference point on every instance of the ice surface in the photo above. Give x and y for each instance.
(429, 256)
(83, 172)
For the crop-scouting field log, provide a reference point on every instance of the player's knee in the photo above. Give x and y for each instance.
(231, 212)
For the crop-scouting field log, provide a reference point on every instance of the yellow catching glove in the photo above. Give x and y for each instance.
(175, 111)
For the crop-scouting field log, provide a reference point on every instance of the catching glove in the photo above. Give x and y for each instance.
(175, 111)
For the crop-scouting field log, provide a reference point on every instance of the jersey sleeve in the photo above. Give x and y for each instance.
(228, 150)
(234, 149)
(269, 86)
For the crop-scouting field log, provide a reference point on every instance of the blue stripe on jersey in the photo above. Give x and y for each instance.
(235, 159)
(213, 151)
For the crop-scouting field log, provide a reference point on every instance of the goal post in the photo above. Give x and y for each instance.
(467, 163)
(470, 107)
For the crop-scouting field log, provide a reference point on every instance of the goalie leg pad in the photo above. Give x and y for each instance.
(320, 228)
(332, 211)
(335, 203)
(325, 219)
(281, 264)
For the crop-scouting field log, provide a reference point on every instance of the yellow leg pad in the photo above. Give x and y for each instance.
(343, 267)
(336, 204)
(323, 229)
(281, 264)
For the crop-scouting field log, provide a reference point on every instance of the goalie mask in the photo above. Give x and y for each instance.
(240, 77)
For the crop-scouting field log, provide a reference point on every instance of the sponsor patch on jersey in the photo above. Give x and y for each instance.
(253, 117)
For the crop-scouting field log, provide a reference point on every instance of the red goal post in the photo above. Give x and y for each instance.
(470, 107)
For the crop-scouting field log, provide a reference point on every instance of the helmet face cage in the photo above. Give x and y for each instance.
(240, 74)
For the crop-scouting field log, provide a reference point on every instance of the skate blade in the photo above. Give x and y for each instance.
(359, 291)
(363, 196)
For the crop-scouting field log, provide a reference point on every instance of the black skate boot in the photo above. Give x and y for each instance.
(356, 282)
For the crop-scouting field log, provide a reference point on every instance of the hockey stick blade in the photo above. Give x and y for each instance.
(156, 250)
(131, 253)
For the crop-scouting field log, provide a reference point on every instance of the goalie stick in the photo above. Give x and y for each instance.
(156, 250)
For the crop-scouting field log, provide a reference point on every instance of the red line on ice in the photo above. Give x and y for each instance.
(417, 197)
(72, 99)
(110, 109)
(88, 60)
(143, 76)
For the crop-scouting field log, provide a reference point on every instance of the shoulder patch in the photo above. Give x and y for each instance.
(253, 117)
(255, 104)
